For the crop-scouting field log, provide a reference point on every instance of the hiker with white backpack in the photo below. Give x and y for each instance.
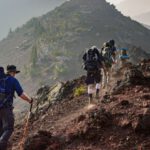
(109, 54)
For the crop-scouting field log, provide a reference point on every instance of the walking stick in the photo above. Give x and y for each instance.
(30, 112)
(26, 128)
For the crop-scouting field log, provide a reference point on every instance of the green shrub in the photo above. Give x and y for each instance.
(79, 91)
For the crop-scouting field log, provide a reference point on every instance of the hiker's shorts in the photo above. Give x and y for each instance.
(93, 77)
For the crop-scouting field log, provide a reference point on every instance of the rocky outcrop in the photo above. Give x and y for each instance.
(133, 75)
(47, 96)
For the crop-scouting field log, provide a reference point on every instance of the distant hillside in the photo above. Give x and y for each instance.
(49, 48)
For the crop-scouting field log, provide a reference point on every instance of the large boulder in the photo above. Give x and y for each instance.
(132, 76)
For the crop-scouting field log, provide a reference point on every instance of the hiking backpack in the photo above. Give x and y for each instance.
(3, 95)
(91, 60)
(107, 55)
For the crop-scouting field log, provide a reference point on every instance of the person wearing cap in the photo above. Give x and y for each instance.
(12, 85)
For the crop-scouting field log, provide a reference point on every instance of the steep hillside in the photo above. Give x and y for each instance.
(49, 48)
(63, 120)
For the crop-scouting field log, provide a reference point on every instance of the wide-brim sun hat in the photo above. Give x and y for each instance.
(12, 68)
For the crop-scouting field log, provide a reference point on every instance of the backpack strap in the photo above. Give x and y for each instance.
(7, 96)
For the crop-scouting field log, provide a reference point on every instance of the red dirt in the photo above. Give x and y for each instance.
(121, 123)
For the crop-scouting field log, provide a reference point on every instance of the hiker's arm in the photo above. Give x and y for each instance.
(21, 93)
(25, 97)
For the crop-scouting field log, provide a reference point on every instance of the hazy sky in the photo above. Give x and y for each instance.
(115, 1)
(14, 13)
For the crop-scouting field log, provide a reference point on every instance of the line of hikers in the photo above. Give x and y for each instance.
(8, 86)
(98, 64)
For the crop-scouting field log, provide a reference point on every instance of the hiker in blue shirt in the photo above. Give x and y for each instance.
(8, 86)
(124, 57)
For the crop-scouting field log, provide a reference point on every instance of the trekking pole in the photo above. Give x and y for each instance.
(31, 105)
(26, 128)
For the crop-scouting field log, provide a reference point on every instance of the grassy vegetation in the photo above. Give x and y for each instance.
(80, 90)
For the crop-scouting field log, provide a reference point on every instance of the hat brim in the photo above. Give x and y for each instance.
(16, 71)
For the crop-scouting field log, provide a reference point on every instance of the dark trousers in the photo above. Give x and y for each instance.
(6, 126)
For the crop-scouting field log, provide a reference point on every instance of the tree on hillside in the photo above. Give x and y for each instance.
(34, 56)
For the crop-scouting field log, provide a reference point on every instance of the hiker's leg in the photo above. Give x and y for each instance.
(97, 89)
(98, 79)
(90, 83)
(90, 92)
(8, 127)
(109, 75)
(1, 127)
(104, 82)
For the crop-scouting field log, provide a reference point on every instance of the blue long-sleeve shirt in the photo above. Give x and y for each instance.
(12, 86)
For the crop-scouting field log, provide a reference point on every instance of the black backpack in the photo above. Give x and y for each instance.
(91, 61)
(3, 95)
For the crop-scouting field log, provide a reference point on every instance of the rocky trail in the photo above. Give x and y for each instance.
(119, 121)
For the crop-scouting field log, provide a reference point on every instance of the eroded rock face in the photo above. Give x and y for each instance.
(47, 96)
(134, 76)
